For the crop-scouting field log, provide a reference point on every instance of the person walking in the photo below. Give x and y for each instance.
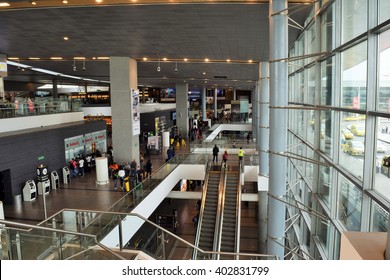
(225, 158)
(148, 168)
(215, 153)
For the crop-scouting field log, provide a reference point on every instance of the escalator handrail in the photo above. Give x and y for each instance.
(238, 213)
(221, 205)
(201, 210)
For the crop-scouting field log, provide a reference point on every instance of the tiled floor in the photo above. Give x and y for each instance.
(83, 193)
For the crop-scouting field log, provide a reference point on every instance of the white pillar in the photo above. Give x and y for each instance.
(182, 109)
(123, 80)
(278, 127)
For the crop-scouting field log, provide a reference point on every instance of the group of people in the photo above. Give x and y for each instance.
(130, 172)
(225, 155)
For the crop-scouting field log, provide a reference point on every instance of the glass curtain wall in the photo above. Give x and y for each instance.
(347, 131)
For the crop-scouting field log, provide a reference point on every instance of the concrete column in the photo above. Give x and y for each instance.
(234, 95)
(55, 88)
(182, 109)
(123, 79)
(204, 115)
(278, 127)
(215, 103)
(263, 145)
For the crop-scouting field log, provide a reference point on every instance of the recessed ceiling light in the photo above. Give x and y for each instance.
(79, 57)
(13, 58)
(204, 73)
(250, 60)
(33, 3)
(56, 57)
(206, 59)
(4, 4)
(103, 57)
(94, 57)
(65, 1)
(185, 59)
(227, 60)
(99, 1)
(66, 38)
(165, 59)
(34, 58)
(145, 59)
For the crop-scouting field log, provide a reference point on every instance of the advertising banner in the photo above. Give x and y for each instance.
(136, 112)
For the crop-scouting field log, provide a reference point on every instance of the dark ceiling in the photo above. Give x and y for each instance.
(237, 31)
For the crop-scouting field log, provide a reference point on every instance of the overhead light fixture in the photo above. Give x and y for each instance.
(65, 1)
(33, 3)
(66, 38)
(56, 58)
(186, 59)
(250, 60)
(99, 1)
(14, 58)
(79, 57)
(145, 59)
(204, 73)
(103, 57)
(206, 59)
(4, 4)
(165, 59)
(227, 60)
(158, 66)
(34, 58)
(176, 70)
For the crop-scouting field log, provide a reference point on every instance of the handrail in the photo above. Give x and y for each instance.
(238, 212)
(221, 208)
(217, 229)
(5, 222)
(201, 210)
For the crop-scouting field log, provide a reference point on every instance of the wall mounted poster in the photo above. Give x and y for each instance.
(136, 112)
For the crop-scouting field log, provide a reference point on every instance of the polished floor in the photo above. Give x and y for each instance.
(83, 193)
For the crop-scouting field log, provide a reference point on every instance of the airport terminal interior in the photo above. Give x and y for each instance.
(115, 118)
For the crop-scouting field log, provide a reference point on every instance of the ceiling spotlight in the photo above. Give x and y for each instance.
(158, 66)
(176, 70)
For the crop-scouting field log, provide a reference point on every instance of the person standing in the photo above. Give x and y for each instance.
(121, 174)
(148, 168)
(215, 153)
(240, 154)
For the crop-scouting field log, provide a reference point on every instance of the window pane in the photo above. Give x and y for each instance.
(349, 206)
(323, 229)
(325, 183)
(380, 219)
(326, 139)
(384, 10)
(310, 127)
(311, 42)
(327, 30)
(327, 74)
(354, 76)
(382, 166)
(312, 85)
(354, 18)
(384, 72)
(352, 147)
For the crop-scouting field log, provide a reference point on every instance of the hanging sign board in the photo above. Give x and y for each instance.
(3, 66)
(136, 112)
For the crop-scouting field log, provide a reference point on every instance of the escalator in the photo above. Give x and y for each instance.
(229, 216)
(208, 216)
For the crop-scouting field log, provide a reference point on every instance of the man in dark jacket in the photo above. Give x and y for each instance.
(215, 153)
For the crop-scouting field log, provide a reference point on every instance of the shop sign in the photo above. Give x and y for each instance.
(74, 143)
(88, 139)
(41, 157)
(99, 136)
